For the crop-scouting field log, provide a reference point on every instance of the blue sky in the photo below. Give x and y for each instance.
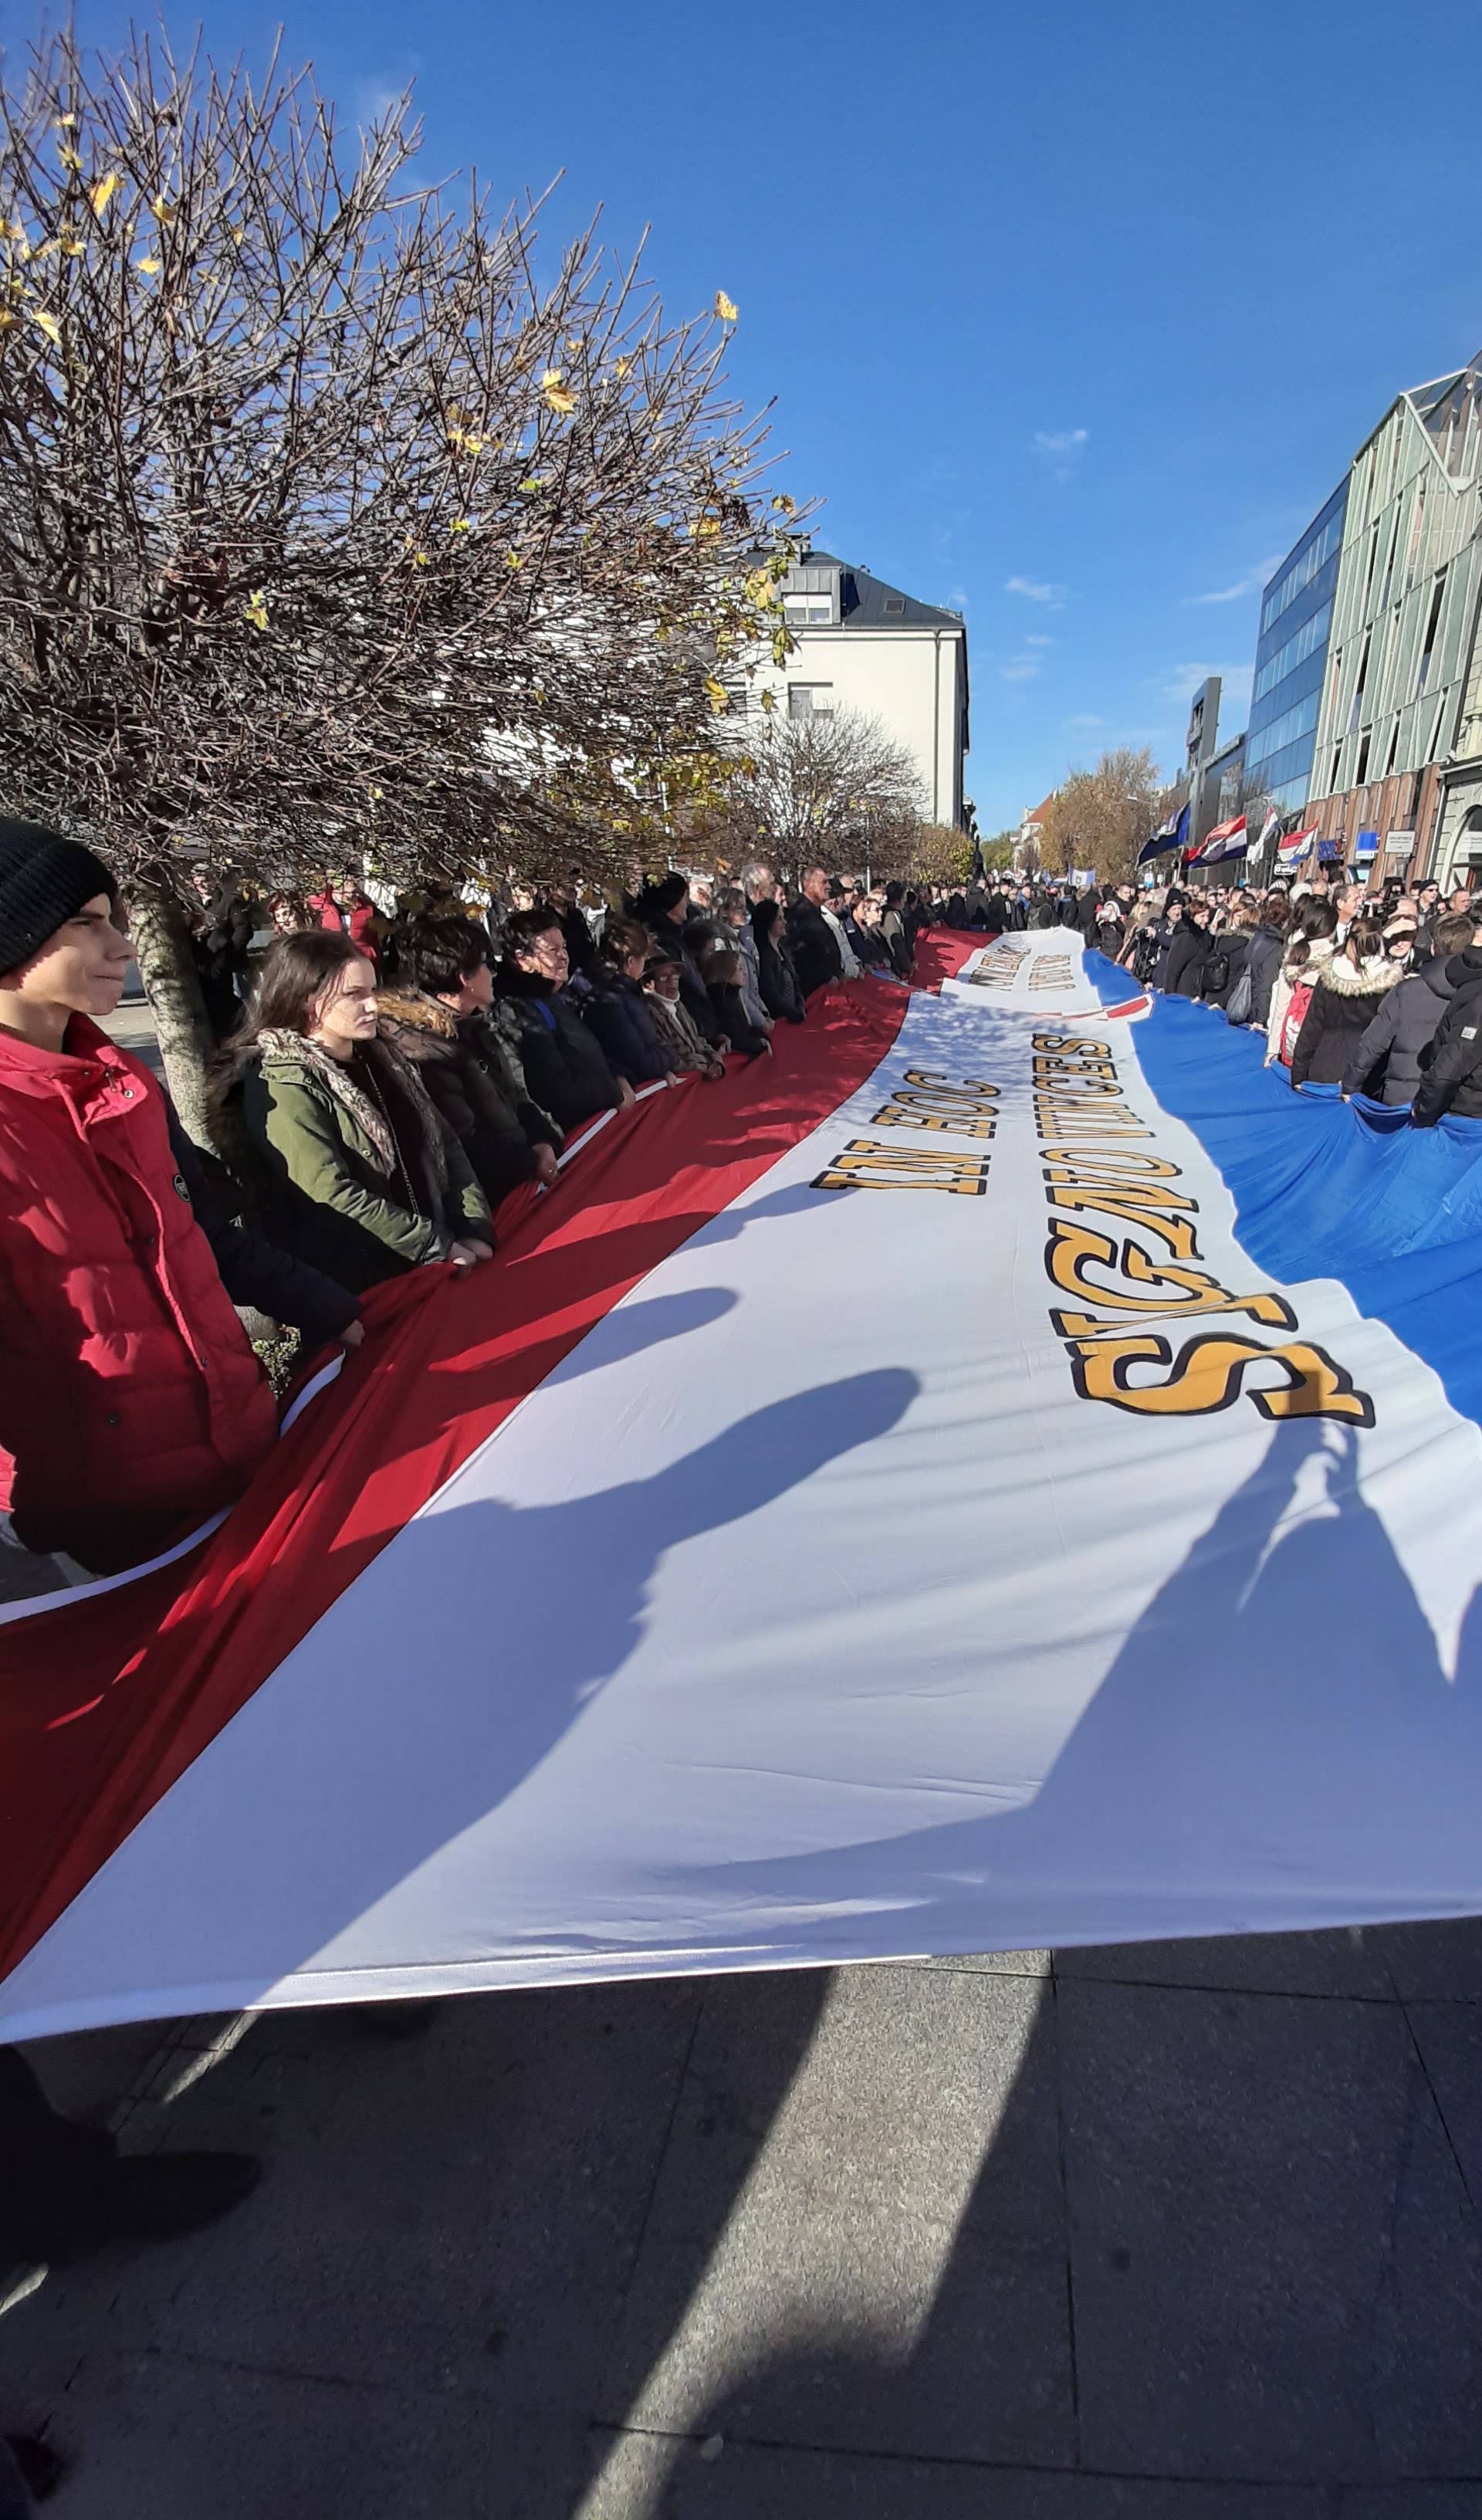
(1073, 317)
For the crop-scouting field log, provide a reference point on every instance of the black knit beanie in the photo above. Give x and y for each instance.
(44, 881)
(665, 895)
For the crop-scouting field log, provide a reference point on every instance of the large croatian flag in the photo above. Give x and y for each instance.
(996, 1474)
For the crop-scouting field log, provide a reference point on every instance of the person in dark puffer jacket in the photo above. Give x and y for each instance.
(1407, 1020)
(615, 1009)
(666, 912)
(1453, 1077)
(1349, 989)
(565, 1068)
(438, 1017)
(1188, 953)
(1263, 959)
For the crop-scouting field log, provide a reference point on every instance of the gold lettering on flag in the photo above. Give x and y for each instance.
(1078, 1106)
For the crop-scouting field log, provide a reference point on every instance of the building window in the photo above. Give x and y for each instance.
(1431, 627)
(808, 612)
(810, 700)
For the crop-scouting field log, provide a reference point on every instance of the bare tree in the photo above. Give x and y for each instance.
(1101, 818)
(829, 789)
(330, 535)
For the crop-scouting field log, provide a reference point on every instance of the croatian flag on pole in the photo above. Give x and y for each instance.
(1294, 849)
(1226, 840)
(996, 1473)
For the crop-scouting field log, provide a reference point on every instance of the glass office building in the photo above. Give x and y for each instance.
(1291, 657)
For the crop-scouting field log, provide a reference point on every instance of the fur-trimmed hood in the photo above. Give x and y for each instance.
(1348, 979)
(417, 1013)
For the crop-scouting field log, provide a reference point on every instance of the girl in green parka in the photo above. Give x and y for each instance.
(355, 1171)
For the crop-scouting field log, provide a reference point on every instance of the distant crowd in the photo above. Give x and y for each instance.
(1377, 992)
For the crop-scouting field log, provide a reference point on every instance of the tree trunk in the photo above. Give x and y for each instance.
(162, 940)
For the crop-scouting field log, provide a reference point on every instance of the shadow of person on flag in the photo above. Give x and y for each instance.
(1276, 1743)
(499, 1625)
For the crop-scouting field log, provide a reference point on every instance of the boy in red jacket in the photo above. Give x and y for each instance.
(131, 1404)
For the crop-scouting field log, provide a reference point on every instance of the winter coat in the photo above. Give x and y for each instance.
(994, 915)
(957, 909)
(868, 947)
(781, 995)
(256, 1272)
(131, 1405)
(815, 957)
(743, 941)
(1285, 981)
(1262, 961)
(1342, 1005)
(617, 1011)
(731, 1015)
(219, 947)
(576, 930)
(685, 1049)
(469, 1076)
(1228, 951)
(363, 923)
(1403, 1026)
(564, 1064)
(1452, 1076)
(839, 929)
(356, 1173)
(892, 928)
(1040, 911)
(1187, 958)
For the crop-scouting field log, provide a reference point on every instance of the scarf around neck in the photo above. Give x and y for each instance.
(277, 1042)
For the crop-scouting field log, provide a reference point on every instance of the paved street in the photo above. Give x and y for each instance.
(1177, 2228)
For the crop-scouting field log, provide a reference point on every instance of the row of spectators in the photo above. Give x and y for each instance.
(1378, 993)
(380, 1089)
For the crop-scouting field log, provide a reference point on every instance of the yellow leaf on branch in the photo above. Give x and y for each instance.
(148, 262)
(717, 696)
(559, 396)
(46, 324)
(768, 702)
(726, 307)
(459, 524)
(102, 194)
(164, 211)
(70, 160)
(623, 368)
(255, 608)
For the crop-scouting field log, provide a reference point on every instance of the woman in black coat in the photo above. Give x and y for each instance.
(614, 1008)
(1188, 953)
(776, 977)
(1349, 993)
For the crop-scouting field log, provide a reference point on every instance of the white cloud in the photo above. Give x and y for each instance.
(1088, 718)
(1039, 638)
(1021, 669)
(1060, 450)
(1037, 591)
(1177, 684)
(1251, 584)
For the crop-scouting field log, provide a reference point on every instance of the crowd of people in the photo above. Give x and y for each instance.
(1376, 991)
(382, 1084)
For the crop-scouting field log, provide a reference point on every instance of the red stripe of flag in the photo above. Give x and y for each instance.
(104, 1702)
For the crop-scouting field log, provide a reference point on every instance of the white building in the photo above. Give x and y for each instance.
(866, 647)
